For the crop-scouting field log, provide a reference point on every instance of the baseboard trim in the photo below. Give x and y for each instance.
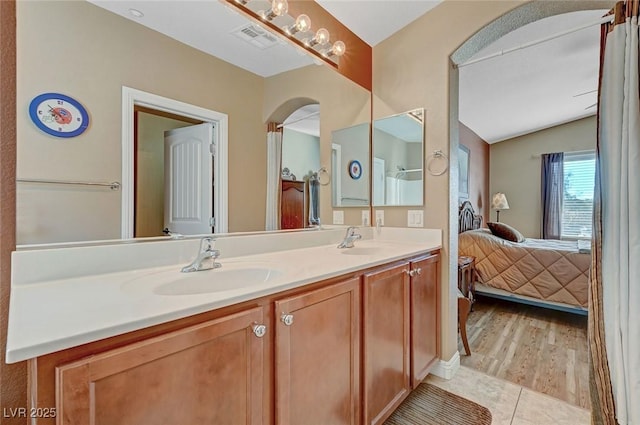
(447, 369)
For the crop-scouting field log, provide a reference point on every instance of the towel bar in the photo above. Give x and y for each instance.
(112, 185)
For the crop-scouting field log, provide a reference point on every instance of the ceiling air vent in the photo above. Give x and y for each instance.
(255, 35)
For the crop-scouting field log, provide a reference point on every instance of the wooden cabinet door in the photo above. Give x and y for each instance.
(292, 205)
(210, 373)
(386, 341)
(425, 315)
(318, 356)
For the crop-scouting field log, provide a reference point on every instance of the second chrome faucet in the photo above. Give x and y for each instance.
(350, 237)
(206, 259)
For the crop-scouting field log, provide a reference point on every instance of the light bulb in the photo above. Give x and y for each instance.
(279, 7)
(338, 48)
(321, 37)
(303, 23)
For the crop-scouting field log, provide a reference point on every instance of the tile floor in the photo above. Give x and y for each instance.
(511, 404)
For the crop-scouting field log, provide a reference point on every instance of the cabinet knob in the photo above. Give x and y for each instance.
(287, 319)
(419, 271)
(410, 272)
(259, 330)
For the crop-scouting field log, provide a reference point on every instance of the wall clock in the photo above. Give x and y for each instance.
(58, 115)
(355, 169)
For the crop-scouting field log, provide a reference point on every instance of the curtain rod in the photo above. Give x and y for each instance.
(608, 18)
(313, 114)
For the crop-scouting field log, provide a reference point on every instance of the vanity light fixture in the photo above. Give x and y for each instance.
(323, 53)
(321, 38)
(278, 8)
(337, 49)
(303, 24)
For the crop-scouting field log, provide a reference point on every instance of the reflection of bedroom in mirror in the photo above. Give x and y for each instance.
(398, 158)
(300, 160)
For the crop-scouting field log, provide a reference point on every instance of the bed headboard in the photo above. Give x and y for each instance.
(467, 218)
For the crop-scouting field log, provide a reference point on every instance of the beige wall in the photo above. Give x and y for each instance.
(92, 54)
(478, 172)
(411, 69)
(150, 172)
(515, 169)
(300, 152)
(343, 103)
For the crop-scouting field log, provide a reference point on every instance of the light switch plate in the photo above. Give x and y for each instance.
(380, 217)
(415, 218)
(365, 218)
(338, 217)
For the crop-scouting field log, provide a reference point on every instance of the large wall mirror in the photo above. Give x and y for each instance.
(350, 166)
(108, 47)
(398, 147)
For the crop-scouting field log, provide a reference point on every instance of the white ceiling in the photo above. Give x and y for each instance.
(376, 20)
(533, 88)
(305, 120)
(500, 98)
(207, 26)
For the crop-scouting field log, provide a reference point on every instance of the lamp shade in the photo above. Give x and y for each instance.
(499, 202)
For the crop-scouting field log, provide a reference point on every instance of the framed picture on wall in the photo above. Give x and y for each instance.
(463, 172)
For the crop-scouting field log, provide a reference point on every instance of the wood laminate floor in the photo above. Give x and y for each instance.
(541, 349)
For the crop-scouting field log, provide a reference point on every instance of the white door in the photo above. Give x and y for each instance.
(379, 182)
(188, 176)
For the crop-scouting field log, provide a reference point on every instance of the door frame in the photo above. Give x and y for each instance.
(132, 97)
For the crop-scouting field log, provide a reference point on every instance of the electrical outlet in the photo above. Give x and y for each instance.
(379, 217)
(415, 218)
(365, 218)
(338, 217)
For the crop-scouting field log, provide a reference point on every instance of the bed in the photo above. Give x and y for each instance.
(548, 273)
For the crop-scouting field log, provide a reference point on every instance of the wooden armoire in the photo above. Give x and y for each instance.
(293, 205)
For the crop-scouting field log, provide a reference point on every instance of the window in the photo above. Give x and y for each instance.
(577, 209)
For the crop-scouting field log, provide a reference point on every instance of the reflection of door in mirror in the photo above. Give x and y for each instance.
(155, 165)
(300, 159)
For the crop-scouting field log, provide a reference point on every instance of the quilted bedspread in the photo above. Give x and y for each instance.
(549, 270)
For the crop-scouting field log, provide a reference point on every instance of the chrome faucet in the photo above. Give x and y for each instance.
(206, 254)
(350, 237)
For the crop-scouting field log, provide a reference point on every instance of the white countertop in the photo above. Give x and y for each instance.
(68, 306)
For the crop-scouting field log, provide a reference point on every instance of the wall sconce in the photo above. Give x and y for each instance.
(321, 38)
(278, 8)
(303, 24)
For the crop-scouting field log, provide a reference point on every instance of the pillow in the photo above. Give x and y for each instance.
(505, 231)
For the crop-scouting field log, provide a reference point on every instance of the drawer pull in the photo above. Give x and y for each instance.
(419, 271)
(287, 319)
(259, 330)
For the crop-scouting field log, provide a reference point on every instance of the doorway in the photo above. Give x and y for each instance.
(149, 170)
(132, 99)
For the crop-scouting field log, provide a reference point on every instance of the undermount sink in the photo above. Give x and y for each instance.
(228, 277)
(361, 250)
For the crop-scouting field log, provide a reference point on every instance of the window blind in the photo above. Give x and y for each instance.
(579, 180)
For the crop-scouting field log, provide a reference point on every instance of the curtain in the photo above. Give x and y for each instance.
(274, 175)
(552, 194)
(614, 333)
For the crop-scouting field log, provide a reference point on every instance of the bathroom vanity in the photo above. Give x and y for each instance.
(323, 335)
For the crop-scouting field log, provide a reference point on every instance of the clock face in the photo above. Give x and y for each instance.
(58, 115)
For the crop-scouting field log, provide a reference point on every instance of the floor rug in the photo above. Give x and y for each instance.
(430, 405)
